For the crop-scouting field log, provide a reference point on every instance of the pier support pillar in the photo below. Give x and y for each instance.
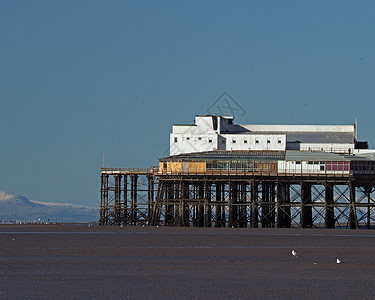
(218, 186)
(117, 204)
(169, 207)
(353, 222)
(254, 204)
(329, 206)
(283, 206)
(207, 204)
(306, 205)
(150, 197)
(268, 205)
(200, 213)
(242, 209)
(184, 206)
(368, 190)
(133, 197)
(104, 200)
(233, 206)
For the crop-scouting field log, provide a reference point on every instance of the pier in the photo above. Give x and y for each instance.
(261, 198)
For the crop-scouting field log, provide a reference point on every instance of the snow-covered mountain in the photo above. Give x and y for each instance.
(19, 208)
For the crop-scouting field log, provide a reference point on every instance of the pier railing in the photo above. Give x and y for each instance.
(262, 172)
(127, 170)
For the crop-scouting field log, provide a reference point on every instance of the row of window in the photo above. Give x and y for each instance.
(362, 166)
(233, 141)
(241, 165)
(343, 165)
(188, 139)
(256, 141)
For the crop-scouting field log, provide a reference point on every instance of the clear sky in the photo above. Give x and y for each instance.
(78, 78)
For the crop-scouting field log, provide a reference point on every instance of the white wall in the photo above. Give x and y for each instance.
(190, 143)
(276, 142)
(292, 167)
(316, 167)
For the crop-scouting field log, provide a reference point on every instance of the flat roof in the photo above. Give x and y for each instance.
(321, 137)
(228, 155)
(295, 155)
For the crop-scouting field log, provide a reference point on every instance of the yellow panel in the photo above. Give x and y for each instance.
(174, 167)
(185, 167)
(178, 167)
(199, 167)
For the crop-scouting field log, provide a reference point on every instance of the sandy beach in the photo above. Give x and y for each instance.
(81, 262)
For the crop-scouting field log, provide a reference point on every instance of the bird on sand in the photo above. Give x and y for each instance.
(294, 253)
(339, 261)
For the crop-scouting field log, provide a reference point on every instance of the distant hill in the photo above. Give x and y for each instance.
(19, 208)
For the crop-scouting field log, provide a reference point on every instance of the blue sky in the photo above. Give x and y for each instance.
(79, 78)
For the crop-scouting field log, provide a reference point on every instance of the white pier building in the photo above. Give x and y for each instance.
(220, 133)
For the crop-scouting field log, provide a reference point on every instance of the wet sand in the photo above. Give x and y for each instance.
(80, 262)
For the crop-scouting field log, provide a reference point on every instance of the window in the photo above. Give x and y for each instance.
(200, 138)
(298, 162)
(175, 140)
(210, 140)
(233, 141)
(279, 141)
(256, 141)
(188, 139)
(245, 141)
(268, 141)
(214, 164)
(321, 168)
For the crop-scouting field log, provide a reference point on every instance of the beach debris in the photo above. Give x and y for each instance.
(294, 253)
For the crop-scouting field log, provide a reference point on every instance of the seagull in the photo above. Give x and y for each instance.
(294, 253)
(339, 261)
